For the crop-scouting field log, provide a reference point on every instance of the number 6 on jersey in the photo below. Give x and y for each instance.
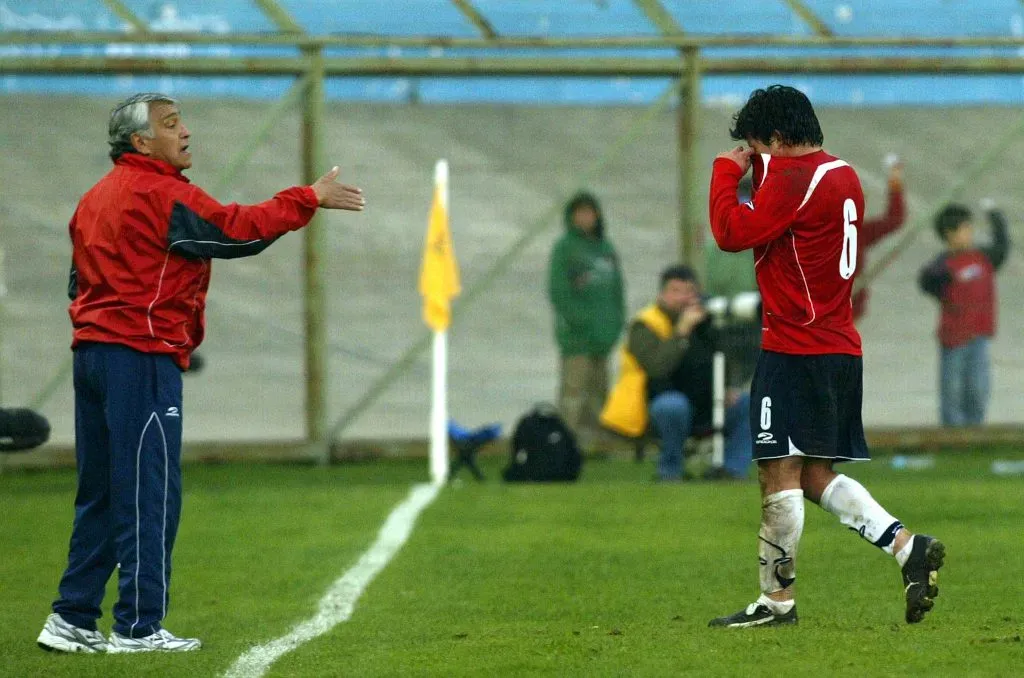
(848, 258)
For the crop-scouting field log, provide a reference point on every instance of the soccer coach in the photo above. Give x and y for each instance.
(142, 240)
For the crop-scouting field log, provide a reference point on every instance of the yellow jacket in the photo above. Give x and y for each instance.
(625, 411)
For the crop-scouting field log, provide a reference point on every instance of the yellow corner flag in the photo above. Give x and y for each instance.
(439, 275)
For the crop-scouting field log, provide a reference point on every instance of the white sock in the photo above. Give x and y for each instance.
(776, 606)
(849, 501)
(904, 553)
(782, 522)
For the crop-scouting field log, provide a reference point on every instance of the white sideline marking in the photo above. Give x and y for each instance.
(340, 600)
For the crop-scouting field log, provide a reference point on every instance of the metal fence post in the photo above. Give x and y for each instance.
(3, 294)
(314, 298)
(690, 225)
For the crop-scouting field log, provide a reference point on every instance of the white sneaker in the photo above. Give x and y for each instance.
(59, 636)
(161, 641)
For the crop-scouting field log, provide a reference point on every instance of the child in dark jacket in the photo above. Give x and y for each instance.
(962, 278)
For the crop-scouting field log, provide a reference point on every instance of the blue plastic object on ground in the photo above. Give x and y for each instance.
(467, 442)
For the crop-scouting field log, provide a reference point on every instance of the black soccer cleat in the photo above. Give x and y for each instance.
(755, 614)
(920, 575)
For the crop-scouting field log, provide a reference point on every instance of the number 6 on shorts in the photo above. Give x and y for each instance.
(766, 413)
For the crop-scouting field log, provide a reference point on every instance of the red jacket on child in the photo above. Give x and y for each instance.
(965, 284)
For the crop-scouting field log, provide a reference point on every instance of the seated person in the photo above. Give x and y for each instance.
(666, 377)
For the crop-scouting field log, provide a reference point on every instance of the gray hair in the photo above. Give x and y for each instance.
(129, 117)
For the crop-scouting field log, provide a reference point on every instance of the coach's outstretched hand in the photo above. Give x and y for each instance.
(739, 155)
(335, 196)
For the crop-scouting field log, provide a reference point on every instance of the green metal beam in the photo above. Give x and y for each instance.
(499, 266)
(3, 293)
(810, 18)
(468, 66)
(982, 165)
(153, 66)
(505, 42)
(691, 225)
(314, 256)
(125, 14)
(271, 118)
(659, 16)
(476, 18)
(280, 16)
(686, 136)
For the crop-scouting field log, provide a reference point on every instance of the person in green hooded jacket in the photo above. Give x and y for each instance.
(586, 290)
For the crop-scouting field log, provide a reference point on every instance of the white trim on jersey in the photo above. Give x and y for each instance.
(159, 286)
(765, 158)
(818, 174)
(796, 257)
(138, 517)
(761, 258)
(163, 528)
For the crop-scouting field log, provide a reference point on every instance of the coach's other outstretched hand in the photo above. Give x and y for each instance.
(334, 196)
(739, 155)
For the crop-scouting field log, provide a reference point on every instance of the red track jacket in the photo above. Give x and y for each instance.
(142, 239)
(802, 225)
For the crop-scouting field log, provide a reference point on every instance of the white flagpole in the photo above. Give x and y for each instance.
(718, 410)
(439, 411)
(439, 390)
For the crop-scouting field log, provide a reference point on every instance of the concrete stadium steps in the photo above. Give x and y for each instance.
(509, 166)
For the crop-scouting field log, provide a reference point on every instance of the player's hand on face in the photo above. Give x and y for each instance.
(335, 196)
(691, 316)
(896, 175)
(740, 156)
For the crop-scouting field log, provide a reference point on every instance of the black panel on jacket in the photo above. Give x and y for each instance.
(72, 283)
(193, 237)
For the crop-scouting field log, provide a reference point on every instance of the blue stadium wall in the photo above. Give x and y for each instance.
(531, 17)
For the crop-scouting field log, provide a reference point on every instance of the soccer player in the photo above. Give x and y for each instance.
(807, 388)
(142, 239)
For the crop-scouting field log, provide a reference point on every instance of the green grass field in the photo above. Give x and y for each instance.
(613, 576)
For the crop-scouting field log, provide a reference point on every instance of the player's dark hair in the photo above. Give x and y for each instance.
(950, 218)
(678, 272)
(778, 111)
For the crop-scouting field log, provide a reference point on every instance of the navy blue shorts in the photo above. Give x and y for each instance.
(808, 405)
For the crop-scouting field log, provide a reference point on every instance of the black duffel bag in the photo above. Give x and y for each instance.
(22, 429)
(543, 449)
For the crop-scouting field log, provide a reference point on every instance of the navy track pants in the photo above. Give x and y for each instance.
(128, 416)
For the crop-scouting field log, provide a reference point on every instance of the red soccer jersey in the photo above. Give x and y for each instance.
(802, 225)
